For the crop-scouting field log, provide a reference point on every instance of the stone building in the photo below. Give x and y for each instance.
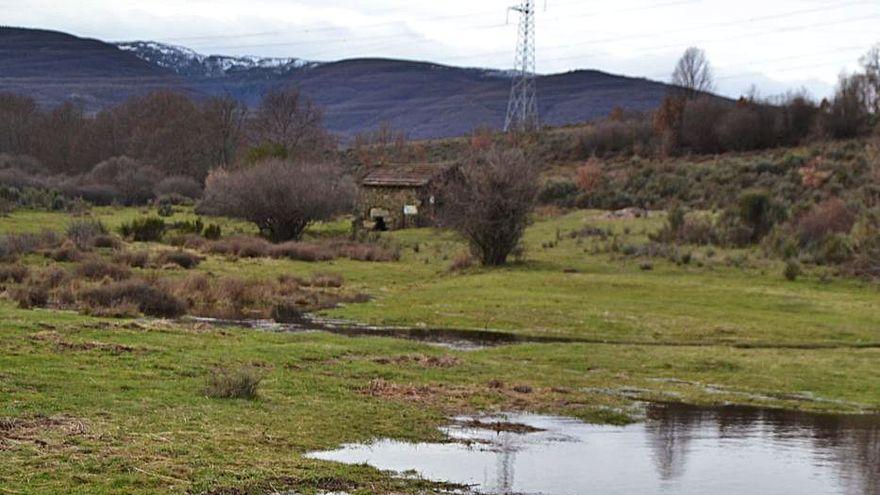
(402, 196)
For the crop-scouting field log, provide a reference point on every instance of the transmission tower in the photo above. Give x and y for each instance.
(522, 109)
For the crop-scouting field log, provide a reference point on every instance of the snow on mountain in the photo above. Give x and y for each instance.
(187, 62)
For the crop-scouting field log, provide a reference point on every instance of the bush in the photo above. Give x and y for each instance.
(792, 270)
(302, 251)
(165, 210)
(242, 246)
(182, 259)
(31, 297)
(84, 232)
(13, 245)
(178, 185)
(589, 176)
(98, 269)
(829, 217)
(106, 241)
(213, 232)
(238, 383)
(149, 300)
(67, 252)
(369, 252)
(491, 202)
(759, 212)
(281, 198)
(563, 193)
(144, 229)
(13, 273)
(134, 259)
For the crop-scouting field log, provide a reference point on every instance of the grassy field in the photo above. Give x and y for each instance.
(91, 405)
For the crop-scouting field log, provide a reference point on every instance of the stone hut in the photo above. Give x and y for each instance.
(402, 196)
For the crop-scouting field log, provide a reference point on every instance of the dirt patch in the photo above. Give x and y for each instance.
(38, 430)
(420, 360)
(62, 344)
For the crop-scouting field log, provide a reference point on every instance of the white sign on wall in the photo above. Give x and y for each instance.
(410, 210)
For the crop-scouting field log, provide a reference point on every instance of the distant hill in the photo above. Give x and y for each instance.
(55, 67)
(426, 100)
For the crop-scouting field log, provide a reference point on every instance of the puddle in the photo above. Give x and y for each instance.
(462, 340)
(677, 450)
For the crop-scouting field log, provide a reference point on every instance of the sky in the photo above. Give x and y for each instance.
(773, 45)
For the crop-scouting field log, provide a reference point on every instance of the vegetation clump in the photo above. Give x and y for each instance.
(281, 198)
(242, 382)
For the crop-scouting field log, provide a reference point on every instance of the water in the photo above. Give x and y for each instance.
(456, 339)
(678, 450)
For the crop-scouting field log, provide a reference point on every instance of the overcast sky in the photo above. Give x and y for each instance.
(774, 44)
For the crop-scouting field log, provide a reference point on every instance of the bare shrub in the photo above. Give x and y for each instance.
(13, 273)
(150, 300)
(589, 176)
(829, 217)
(369, 252)
(84, 232)
(98, 269)
(461, 262)
(182, 259)
(325, 280)
(490, 204)
(302, 251)
(241, 246)
(281, 198)
(236, 383)
(67, 252)
(134, 259)
(178, 185)
(108, 241)
(13, 245)
(30, 297)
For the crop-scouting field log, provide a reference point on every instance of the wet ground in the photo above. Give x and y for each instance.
(679, 450)
(462, 340)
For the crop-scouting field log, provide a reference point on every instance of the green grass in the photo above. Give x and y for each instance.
(728, 319)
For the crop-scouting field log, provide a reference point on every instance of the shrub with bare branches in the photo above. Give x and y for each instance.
(489, 205)
(281, 198)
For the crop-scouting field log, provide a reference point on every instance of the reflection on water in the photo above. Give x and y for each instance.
(677, 450)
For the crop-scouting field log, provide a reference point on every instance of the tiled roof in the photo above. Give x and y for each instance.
(417, 175)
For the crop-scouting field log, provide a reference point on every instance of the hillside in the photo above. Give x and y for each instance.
(425, 99)
(55, 67)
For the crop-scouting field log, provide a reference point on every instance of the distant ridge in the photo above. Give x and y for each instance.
(426, 100)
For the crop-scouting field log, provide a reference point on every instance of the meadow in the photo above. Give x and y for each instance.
(90, 404)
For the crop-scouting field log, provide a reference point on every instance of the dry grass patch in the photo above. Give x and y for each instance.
(39, 431)
(236, 383)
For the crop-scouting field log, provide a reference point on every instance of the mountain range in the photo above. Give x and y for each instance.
(425, 99)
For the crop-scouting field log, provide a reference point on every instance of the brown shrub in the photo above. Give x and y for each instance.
(461, 262)
(30, 297)
(832, 216)
(50, 277)
(108, 241)
(83, 232)
(589, 176)
(183, 259)
(302, 251)
(281, 198)
(490, 204)
(150, 300)
(13, 273)
(325, 280)
(98, 269)
(134, 259)
(369, 252)
(14, 245)
(67, 252)
(241, 246)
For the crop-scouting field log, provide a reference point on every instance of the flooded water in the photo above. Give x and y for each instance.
(680, 450)
(462, 340)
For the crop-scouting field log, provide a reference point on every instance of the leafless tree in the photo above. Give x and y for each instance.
(693, 73)
(489, 204)
(871, 65)
(282, 198)
(287, 120)
(224, 118)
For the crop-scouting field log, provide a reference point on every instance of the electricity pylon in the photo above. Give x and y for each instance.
(522, 109)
